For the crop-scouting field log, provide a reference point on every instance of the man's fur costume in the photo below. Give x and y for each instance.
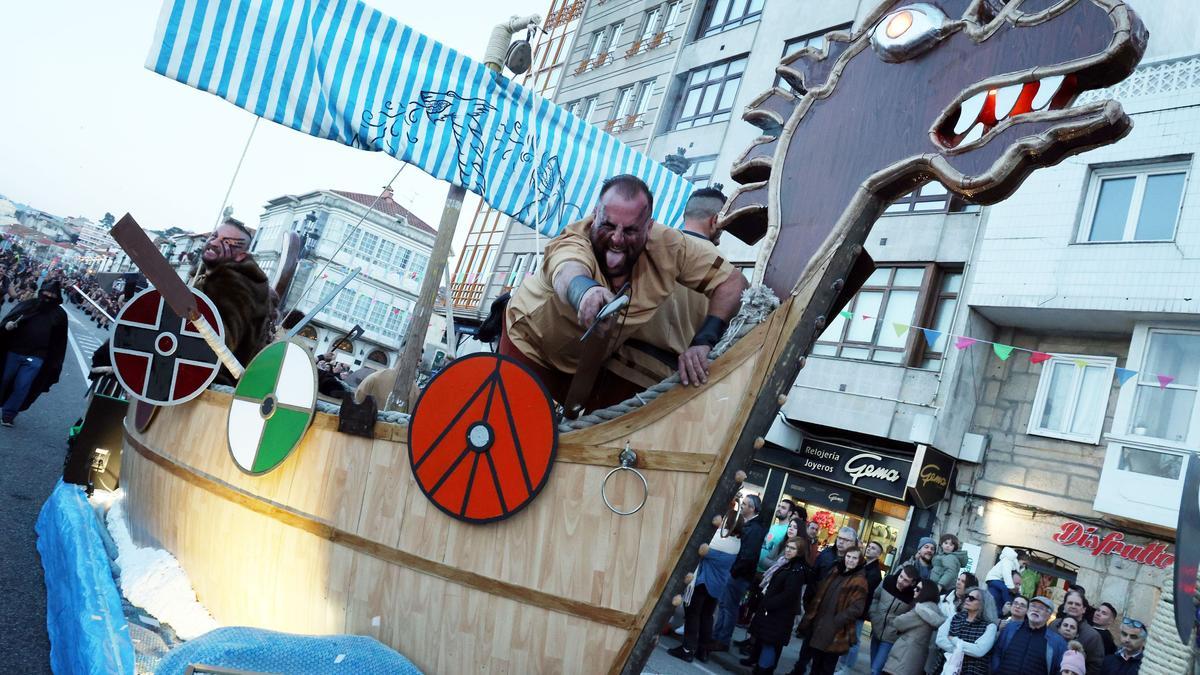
(243, 297)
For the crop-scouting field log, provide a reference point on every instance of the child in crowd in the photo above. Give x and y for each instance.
(947, 562)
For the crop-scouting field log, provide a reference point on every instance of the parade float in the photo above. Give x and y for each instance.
(486, 533)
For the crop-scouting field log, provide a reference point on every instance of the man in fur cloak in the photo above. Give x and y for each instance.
(235, 283)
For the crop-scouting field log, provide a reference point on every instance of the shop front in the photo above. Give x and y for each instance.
(885, 490)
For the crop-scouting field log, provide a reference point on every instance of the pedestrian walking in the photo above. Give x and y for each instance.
(968, 636)
(914, 631)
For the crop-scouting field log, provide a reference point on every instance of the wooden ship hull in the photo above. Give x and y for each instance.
(339, 539)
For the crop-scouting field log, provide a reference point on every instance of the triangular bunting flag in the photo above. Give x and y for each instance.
(865, 317)
(900, 328)
(1003, 351)
(964, 342)
(1164, 380)
(1038, 357)
(1123, 375)
(846, 314)
(931, 336)
(1081, 363)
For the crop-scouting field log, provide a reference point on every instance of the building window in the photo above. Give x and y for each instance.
(624, 102)
(650, 26)
(942, 302)
(709, 92)
(1072, 398)
(384, 255)
(1134, 203)
(1167, 412)
(597, 43)
(1151, 462)
(814, 40)
(418, 266)
(583, 108)
(888, 297)
(375, 318)
(723, 15)
(402, 258)
(700, 171)
(932, 197)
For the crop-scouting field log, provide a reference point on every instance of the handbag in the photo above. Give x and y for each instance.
(954, 663)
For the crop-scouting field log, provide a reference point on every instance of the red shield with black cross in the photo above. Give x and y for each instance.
(158, 356)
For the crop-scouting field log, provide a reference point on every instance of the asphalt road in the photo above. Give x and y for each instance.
(31, 455)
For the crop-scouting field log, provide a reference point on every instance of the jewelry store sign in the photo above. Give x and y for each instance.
(861, 468)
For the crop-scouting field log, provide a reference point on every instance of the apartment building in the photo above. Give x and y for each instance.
(341, 231)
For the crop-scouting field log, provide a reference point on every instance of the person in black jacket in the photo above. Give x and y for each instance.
(754, 531)
(33, 343)
(783, 584)
(871, 569)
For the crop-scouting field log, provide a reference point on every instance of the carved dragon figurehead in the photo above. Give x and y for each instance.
(975, 94)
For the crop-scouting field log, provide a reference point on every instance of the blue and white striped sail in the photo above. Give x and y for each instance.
(340, 70)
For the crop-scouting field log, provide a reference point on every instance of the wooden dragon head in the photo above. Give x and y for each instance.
(975, 94)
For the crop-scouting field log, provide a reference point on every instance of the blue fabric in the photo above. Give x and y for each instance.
(258, 650)
(851, 657)
(340, 70)
(713, 572)
(768, 655)
(879, 655)
(1014, 638)
(727, 611)
(19, 373)
(88, 631)
(1000, 593)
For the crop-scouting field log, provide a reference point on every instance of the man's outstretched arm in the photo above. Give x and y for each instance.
(574, 285)
(724, 302)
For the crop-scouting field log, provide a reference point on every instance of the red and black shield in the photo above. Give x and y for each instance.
(482, 439)
(158, 356)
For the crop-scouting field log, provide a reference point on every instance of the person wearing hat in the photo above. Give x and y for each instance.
(33, 343)
(1073, 663)
(923, 558)
(1030, 647)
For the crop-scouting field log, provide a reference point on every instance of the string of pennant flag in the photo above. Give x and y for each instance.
(1002, 351)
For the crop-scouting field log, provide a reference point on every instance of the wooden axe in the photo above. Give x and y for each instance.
(179, 297)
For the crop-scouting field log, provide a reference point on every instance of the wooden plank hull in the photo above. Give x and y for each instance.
(340, 540)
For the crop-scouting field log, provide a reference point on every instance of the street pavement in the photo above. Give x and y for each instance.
(31, 456)
(662, 663)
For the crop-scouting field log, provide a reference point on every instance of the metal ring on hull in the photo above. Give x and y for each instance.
(628, 460)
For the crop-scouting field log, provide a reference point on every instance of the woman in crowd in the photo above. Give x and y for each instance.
(952, 600)
(829, 623)
(782, 586)
(708, 585)
(968, 635)
(915, 630)
(1016, 610)
(1068, 628)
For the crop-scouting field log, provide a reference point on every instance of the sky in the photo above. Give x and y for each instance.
(85, 128)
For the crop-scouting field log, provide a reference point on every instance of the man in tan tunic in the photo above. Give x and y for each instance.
(652, 353)
(595, 257)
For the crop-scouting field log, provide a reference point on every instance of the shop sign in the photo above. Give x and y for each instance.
(932, 480)
(1154, 554)
(816, 494)
(860, 468)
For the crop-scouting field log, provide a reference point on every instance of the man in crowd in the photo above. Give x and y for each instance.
(1102, 621)
(829, 556)
(231, 278)
(1029, 647)
(1075, 605)
(33, 343)
(1128, 659)
(596, 258)
(773, 542)
(754, 530)
(923, 558)
(652, 352)
(891, 598)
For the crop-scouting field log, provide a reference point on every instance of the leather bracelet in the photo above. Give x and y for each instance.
(710, 332)
(579, 287)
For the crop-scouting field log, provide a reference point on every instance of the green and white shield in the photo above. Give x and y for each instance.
(272, 407)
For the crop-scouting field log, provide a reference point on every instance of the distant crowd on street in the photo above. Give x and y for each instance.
(927, 617)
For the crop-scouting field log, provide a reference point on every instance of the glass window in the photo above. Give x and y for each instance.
(402, 258)
(723, 15)
(709, 92)
(1072, 398)
(1165, 412)
(385, 252)
(597, 43)
(344, 301)
(700, 171)
(624, 101)
(645, 91)
(366, 245)
(615, 38)
(931, 197)
(672, 17)
(1151, 462)
(418, 266)
(1134, 203)
(650, 26)
(391, 324)
(588, 107)
(361, 305)
(943, 315)
(889, 296)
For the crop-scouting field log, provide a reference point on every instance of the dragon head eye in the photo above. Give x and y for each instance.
(908, 31)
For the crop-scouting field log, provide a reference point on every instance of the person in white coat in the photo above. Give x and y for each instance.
(1003, 579)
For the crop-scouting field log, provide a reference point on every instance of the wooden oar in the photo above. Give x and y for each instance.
(158, 271)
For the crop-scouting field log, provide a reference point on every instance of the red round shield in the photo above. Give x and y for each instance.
(482, 439)
(158, 356)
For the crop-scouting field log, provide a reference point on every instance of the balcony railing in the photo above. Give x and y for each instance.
(467, 296)
(644, 45)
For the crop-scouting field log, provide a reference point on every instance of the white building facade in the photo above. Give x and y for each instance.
(389, 245)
